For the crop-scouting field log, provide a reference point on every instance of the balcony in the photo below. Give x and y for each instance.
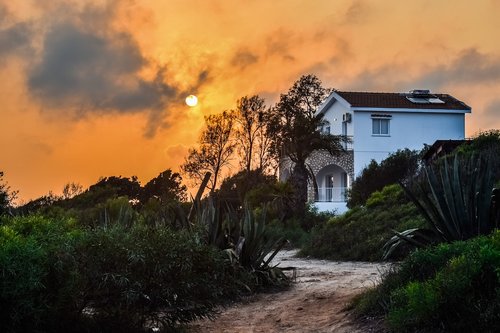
(331, 194)
(347, 142)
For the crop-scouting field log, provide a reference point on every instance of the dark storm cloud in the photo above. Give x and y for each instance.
(244, 58)
(85, 67)
(96, 72)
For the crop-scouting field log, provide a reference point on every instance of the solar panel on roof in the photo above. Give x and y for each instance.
(418, 100)
(436, 100)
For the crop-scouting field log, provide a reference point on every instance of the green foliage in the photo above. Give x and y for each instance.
(6, 196)
(245, 240)
(245, 186)
(57, 277)
(454, 287)
(487, 144)
(292, 232)
(294, 131)
(360, 233)
(146, 275)
(455, 201)
(397, 167)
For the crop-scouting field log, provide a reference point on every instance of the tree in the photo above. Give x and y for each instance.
(167, 186)
(294, 129)
(251, 117)
(214, 152)
(399, 166)
(71, 189)
(234, 189)
(6, 195)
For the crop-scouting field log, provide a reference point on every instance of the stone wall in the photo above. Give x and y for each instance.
(320, 159)
(317, 161)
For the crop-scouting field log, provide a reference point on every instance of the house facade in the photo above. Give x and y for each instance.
(378, 124)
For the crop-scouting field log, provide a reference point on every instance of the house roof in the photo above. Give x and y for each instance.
(441, 148)
(399, 101)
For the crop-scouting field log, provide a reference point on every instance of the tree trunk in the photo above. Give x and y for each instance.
(298, 179)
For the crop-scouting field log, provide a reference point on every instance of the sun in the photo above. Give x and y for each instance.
(191, 100)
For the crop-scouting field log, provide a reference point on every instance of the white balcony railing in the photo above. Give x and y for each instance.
(331, 194)
(347, 142)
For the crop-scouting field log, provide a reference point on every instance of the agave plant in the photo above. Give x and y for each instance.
(254, 249)
(456, 201)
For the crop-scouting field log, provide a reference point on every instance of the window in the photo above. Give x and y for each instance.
(380, 126)
(325, 128)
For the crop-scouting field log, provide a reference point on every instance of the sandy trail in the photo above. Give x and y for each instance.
(315, 303)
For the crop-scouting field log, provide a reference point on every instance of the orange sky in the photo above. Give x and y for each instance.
(97, 88)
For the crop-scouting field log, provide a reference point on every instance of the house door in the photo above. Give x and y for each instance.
(329, 187)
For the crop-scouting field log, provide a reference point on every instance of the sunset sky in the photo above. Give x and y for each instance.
(97, 88)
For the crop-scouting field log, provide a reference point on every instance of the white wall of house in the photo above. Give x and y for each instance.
(334, 116)
(406, 130)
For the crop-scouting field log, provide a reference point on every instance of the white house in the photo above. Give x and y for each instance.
(378, 124)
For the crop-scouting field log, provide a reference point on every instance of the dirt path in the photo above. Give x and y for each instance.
(315, 303)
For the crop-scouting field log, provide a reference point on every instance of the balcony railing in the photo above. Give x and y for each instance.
(347, 144)
(331, 194)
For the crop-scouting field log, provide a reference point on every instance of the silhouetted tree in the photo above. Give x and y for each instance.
(6, 195)
(167, 186)
(294, 129)
(253, 143)
(234, 189)
(214, 151)
(71, 189)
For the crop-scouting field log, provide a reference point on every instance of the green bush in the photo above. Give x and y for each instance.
(144, 275)
(292, 232)
(399, 166)
(360, 233)
(450, 288)
(56, 277)
(38, 283)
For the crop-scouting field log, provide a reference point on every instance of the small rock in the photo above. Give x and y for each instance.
(300, 308)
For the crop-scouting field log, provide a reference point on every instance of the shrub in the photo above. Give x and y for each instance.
(360, 233)
(456, 201)
(143, 275)
(56, 277)
(451, 288)
(397, 167)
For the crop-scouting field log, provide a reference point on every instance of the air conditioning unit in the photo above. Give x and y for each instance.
(347, 117)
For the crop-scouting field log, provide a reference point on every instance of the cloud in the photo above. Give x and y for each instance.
(15, 38)
(280, 42)
(356, 12)
(490, 116)
(88, 67)
(470, 67)
(78, 67)
(244, 58)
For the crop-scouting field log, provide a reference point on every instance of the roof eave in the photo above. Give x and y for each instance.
(408, 110)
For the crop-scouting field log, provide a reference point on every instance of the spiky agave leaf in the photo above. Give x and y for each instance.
(456, 202)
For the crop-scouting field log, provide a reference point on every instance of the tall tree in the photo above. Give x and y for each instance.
(294, 129)
(214, 152)
(251, 133)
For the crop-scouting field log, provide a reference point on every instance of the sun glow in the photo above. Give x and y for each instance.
(191, 100)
